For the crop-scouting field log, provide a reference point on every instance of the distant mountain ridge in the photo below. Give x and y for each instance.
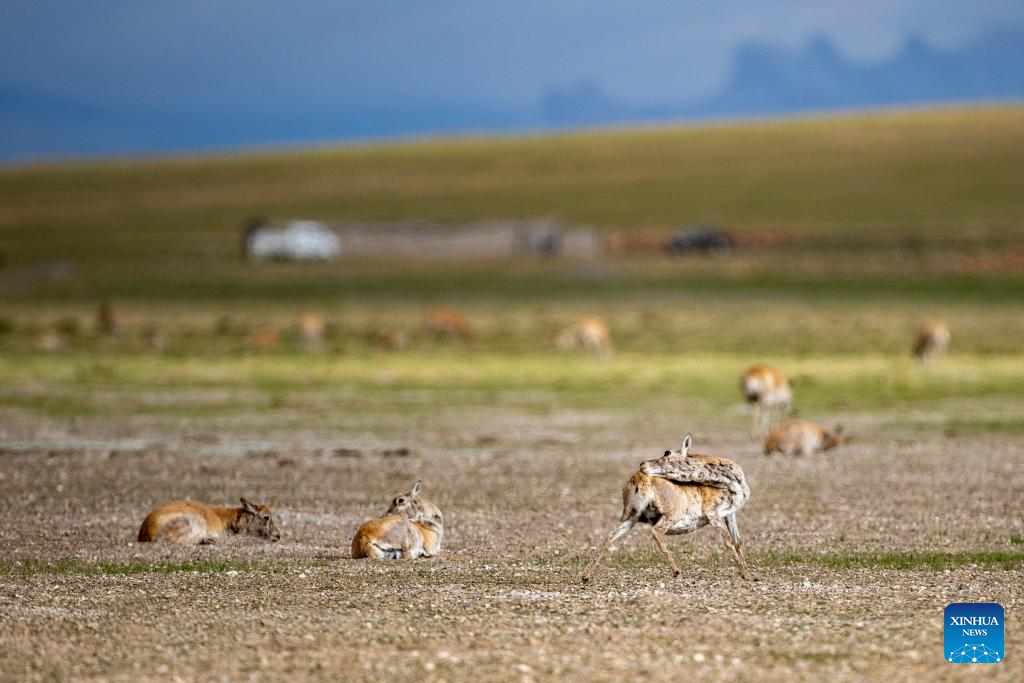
(766, 79)
(763, 80)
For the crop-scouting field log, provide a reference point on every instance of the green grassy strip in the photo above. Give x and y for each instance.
(519, 284)
(650, 557)
(638, 559)
(903, 561)
(31, 567)
(62, 385)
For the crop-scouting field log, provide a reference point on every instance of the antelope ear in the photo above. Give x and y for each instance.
(416, 488)
(247, 506)
(687, 442)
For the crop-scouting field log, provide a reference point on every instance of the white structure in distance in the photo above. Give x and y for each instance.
(297, 240)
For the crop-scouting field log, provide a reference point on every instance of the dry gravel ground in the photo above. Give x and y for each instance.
(527, 497)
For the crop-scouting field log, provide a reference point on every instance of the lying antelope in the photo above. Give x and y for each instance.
(591, 334)
(767, 391)
(931, 342)
(411, 528)
(191, 522)
(800, 437)
(680, 493)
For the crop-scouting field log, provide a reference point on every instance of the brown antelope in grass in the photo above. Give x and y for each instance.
(389, 340)
(108, 322)
(800, 437)
(49, 341)
(311, 330)
(411, 528)
(931, 342)
(591, 334)
(153, 338)
(447, 323)
(266, 339)
(680, 493)
(767, 391)
(191, 522)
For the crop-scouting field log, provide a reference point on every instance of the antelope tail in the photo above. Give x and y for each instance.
(636, 496)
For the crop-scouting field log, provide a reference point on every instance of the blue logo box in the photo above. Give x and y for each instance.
(973, 633)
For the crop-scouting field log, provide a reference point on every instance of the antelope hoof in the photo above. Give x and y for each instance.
(676, 573)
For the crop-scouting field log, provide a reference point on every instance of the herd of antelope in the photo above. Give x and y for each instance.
(677, 493)
(311, 332)
(590, 334)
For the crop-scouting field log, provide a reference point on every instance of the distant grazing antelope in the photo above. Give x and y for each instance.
(767, 391)
(49, 341)
(591, 334)
(390, 340)
(411, 528)
(447, 323)
(191, 522)
(680, 493)
(311, 330)
(154, 339)
(266, 339)
(932, 340)
(800, 437)
(108, 321)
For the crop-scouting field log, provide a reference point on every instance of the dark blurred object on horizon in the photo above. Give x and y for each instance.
(698, 237)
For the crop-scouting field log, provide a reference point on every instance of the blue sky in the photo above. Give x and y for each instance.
(228, 57)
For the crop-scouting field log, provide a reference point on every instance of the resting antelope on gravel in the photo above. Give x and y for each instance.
(191, 522)
(800, 437)
(411, 528)
(767, 391)
(932, 340)
(680, 493)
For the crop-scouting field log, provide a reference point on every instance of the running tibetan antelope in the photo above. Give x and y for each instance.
(767, 391)
(191, 522)
(411, 528)
(931, 342)
(800, 437)
(680, 493)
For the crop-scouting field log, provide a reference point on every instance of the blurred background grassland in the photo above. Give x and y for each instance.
(853, 230)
